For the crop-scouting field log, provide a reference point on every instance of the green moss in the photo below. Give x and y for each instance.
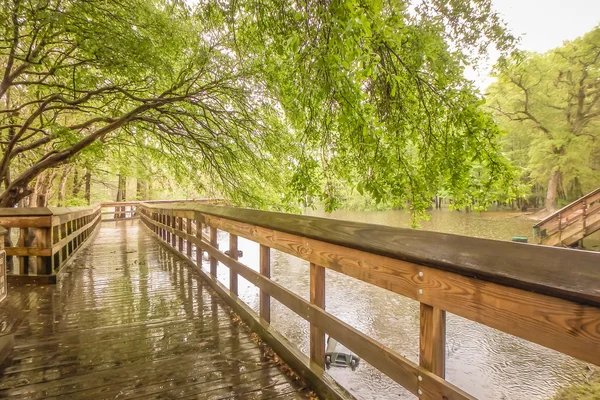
(589, 390)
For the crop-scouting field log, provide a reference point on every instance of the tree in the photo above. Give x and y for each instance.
(262, 97)
(551, 102)
(377, 95)
(77, 74)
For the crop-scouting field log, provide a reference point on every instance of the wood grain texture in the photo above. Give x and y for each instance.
(188, 243)
(233, 253)
(545, 320)
(82, 341)
(525, 266)
(317, 297)
(386, 360)
(265, 270)
(432, 340)
(213, 242)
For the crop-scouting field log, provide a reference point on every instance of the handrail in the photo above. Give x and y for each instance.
(504, 285)
(565, 208)
(48, 237)
(571, 223)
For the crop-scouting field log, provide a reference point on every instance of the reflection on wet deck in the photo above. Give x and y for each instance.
(129, 321)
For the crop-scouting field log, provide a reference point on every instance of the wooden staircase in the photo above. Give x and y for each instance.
(571, 223)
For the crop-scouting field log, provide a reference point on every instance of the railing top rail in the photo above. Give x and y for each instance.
(565, 208)
(43, 211)
(570, 274)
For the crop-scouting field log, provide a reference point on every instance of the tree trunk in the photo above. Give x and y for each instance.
(88, 186)
(62, 185)
(141, 189)
(121, 193)
(552, 192)
(76, 183)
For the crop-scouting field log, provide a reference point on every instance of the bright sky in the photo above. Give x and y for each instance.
(543, 24)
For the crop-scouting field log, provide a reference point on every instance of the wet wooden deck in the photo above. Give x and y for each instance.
(128, 321)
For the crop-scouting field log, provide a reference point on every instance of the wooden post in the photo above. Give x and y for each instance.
(265, 269)
(188, 230)
(317, 297)
(432, 340)
(233, 253)
(23, 261)
(214, 243)
(199, 236)
(43, 238)
(180, 227)
(3, 285)
(173, 235)
(168, 224)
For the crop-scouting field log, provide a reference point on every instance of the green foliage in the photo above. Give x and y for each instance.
(589, 390)
(549, 105)
(265, 102)
(377, 95)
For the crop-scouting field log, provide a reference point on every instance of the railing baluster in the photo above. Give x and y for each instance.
(214, 243)
(199, 236)
(188, 230)
(174, 235)
(233, 253)
(317, 297)
(265, 269)
(168, 224)
(432, 340)
(22, 242)
(43, 237)
(180, 228)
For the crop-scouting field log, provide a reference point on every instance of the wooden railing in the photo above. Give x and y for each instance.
(3, 282)
(43, 239)
(571, 223)
(119, 210)
(546, 295)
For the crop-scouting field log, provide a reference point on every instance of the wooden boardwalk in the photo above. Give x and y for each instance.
(129, 320)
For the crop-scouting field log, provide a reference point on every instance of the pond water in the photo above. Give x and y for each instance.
(484, 362)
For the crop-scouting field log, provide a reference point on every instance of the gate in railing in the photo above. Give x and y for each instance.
(524, 290)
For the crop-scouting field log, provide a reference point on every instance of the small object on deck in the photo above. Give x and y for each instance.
(338, 355)
(519, 239)
(239, 252)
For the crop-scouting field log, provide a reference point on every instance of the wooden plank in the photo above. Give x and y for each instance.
(27, 251)
(265, 270)
(542, 319)
(213, 242)
(432, 340)
(317, 297)
(25, 222)
(474, 257)
(233, 253)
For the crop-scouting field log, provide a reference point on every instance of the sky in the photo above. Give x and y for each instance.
(542, 25)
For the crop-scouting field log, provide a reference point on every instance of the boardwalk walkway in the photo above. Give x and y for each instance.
(130, 321)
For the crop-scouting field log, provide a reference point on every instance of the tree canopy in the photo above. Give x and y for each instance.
(272, 101)
(550, 106)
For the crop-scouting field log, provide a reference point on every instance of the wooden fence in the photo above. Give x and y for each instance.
(546, 295)
(44, 239)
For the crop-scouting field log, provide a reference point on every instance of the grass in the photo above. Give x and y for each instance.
(589, 390)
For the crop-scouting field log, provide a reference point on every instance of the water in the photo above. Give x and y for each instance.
(484, 362)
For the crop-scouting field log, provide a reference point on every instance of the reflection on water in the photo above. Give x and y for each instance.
(484, 362)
